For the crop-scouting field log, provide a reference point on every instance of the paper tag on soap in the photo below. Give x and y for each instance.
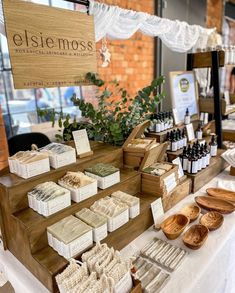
(81, 141)
(157, 211)
(180, 170)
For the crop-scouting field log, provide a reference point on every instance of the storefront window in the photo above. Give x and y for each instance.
(20, 107)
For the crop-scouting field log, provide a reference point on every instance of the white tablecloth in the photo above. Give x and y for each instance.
(208, 270)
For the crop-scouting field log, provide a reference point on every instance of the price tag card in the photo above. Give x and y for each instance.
(157, 211)
(170, 182)
(190, 132)
(81, 141)
(180, 170)
(176, 116)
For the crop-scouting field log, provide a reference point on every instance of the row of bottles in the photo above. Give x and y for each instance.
(162, 121)
(197, 157)
(177, 140)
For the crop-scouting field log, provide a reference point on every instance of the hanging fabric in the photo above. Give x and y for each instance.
(117, 23)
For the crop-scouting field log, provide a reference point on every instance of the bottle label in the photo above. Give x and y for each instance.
(189, 167)
(174, 146)
(178, 145)
(162, 126)
(199, 134)
(208, 156)
(186, 120)
(158, 127)
(185, 164)
(204, 161)
(199, 164)
(194, 167)
(213, 150)
(185, 142)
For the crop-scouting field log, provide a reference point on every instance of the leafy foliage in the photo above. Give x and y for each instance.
(117, 114)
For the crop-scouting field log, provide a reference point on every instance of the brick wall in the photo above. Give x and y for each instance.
(3, 144)
(215, 14)
(132, 60)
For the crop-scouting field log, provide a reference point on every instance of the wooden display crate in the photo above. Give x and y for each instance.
(182, 190)
(133, 156)
(152, 184)
(217, 165)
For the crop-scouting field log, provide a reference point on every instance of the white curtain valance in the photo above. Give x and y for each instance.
(117, 23)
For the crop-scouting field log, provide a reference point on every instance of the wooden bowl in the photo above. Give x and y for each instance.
(221, 193)
(174, 225)
(212, 220)
(191, 211)
(195, 236)
(215, 204)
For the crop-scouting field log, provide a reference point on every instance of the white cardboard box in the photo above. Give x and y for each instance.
(83, 192)
(118, 221)
(134, 211)
(107, 181)
(64, 159)
(100, 233)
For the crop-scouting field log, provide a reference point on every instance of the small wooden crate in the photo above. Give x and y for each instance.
(133, 156)
(152, 184)
(182, 190)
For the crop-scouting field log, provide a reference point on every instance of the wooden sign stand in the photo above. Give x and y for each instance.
(87, 154)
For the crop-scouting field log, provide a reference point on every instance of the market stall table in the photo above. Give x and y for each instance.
(210, 269)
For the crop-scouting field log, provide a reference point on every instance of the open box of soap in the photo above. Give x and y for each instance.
(80, 185)
(158, 178)
(106, 174)
(137, 145)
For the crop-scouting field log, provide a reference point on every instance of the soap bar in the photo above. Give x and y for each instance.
(102, 170)
(75, 180)
(91, 218)
(130, 200)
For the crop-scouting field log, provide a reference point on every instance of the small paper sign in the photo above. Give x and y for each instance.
(157, 211)
(190, 132)
(176, 116)
(81, 141)
(170, 182)
(180, 170)
(227, 97)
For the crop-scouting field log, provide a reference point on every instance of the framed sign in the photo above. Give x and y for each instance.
(184, 93)
(49, 47)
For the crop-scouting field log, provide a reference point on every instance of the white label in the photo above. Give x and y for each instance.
(178, 144)
(194, 167)
(227, 97)
(158, 127)
(206, 118)
(213, 150)
(208, 156)
(174, 146)
(199, 164)
(81, 141)
(199, 134)
(185, 164)
(185, 142)
(157, 210)
(180, 170)
(190, 132)
(186, 120)
(170, 182)
(189, 167)
(204, 160)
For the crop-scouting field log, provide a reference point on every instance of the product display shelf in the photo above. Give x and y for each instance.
(216, 166)
(24, 230)
(161, 136)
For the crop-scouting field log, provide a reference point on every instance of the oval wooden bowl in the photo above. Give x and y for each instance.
(195, 236)
(221, 193)
(191, 211)
(174, 225)
(215, 204)
(212, 220)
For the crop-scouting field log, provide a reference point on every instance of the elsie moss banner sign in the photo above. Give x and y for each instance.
(49, 47)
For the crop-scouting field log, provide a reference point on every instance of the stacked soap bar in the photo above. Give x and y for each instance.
(158, 169)
(163, 253)
(80, 185)
(48, 198)
(103, 270)
(114, 210)
(152, 278)
(59, 154)
(133, 202)
(70, 236)
(96, 221)
(139, 143)
(28, 164)
(106, 175)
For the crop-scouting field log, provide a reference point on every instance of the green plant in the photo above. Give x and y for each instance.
(117, 113)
